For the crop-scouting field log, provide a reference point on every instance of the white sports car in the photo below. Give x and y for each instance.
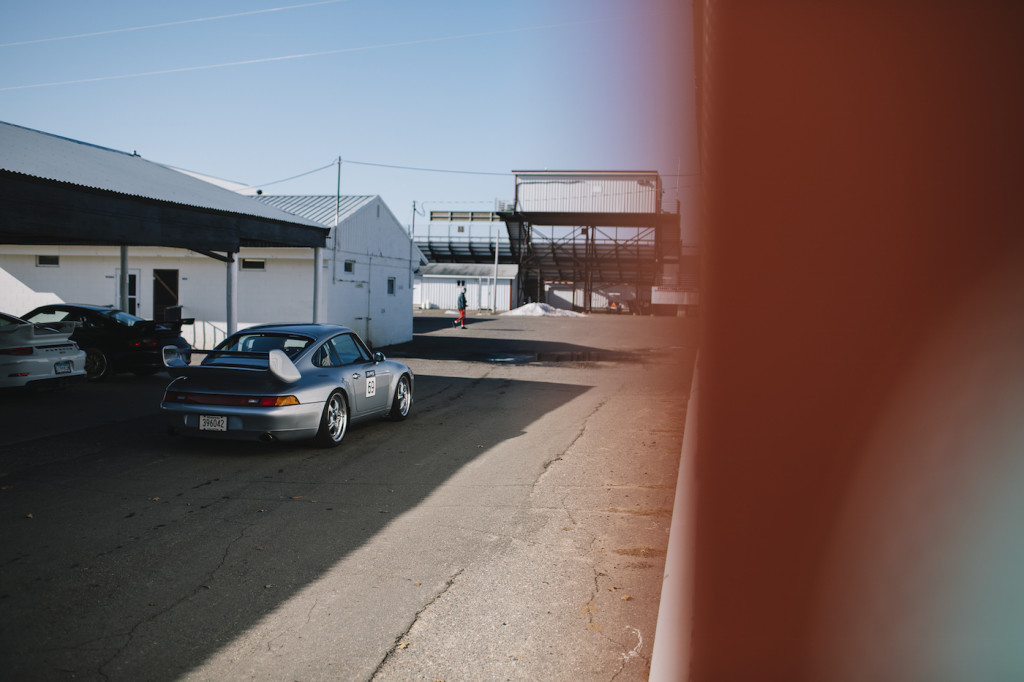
(285, 382)
(38, 354)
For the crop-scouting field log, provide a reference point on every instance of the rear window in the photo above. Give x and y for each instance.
(124, 319)
(291, 344)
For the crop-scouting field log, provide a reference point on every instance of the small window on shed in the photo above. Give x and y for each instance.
(47, 261)
(461, 228)
(350, 266)
(391, 286)
(254, 264)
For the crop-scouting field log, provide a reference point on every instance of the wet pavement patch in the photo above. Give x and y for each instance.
(577, 356)
(589, 356)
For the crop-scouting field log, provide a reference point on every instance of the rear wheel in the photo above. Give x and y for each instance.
(402, 402)
(333, 421)
(97, 365)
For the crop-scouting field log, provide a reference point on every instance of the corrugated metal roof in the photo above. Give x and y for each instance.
(51, 157)
(469, 270)
(323, 209)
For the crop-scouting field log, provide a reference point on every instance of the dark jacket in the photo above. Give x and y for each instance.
(462, 300)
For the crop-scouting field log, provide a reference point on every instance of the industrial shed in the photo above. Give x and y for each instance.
(367, 266)
(488, 287)
(58, 194)
(598, 235)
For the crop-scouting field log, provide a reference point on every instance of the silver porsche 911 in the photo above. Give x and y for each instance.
(285, 382)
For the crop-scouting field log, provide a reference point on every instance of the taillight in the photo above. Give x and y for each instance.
(182, 398)
(278, 401)
(143, 343)
(26, 350)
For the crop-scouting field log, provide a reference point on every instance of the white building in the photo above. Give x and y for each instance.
(367, 276)
(437, 285)
(368, 265)
(465, 249)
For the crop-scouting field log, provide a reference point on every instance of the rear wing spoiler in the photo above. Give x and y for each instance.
(153, 326)
(279, 364)
(50, 332)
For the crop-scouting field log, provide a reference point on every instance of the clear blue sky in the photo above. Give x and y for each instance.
(486, 86)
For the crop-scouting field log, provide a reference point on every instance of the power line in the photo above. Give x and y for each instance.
(169, 23)
(378, 165)
(425, 170)
(344, 50)
(294, 177)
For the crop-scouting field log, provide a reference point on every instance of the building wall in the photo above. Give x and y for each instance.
(565, 296)
(84, 275)
(17, 299)
(588, 192)
(282, 292)
(442, 291)
(379, 250)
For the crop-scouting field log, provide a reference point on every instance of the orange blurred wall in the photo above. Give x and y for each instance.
(863, 169)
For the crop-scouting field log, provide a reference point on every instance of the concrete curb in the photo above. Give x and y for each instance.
(670, 659)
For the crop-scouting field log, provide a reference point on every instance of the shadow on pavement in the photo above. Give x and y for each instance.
(128, 554)
(492, 348)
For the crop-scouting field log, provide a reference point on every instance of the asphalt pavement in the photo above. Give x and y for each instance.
(514, 527)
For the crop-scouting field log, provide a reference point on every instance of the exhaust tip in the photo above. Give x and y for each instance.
(267, 437)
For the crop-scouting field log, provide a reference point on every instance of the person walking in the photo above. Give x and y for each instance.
(461, 322)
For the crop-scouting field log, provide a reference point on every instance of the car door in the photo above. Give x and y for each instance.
(368, 381)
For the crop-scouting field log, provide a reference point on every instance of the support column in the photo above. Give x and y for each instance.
(318, 283)
(123, 284)
(494, 286)
(232, 294)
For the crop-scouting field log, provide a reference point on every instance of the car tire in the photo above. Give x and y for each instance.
(333, 421)
(402, 402)
(97, 364)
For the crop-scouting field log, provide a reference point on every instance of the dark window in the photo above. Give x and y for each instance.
(47, 261)
(350, 266)
(391, 286)
(348, 350)
(254, 264)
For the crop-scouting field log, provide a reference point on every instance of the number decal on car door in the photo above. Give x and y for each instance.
(371, 384)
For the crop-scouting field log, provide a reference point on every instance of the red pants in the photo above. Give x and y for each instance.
(462, 317)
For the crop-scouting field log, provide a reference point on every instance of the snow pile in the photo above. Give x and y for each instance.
(542, 310)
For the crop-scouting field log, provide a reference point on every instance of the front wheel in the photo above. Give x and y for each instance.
(333, 421)
(402, 402)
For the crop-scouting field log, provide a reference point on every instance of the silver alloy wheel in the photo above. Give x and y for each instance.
(334, 421)
(403, 399)
(337, 417)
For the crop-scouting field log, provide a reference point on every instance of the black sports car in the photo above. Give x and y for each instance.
(115, 341)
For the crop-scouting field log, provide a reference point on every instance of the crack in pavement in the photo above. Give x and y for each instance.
(397, 646)
(579, 434)
(130, 634)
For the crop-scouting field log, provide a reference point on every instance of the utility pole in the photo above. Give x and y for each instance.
(412, 243)
(337, 220)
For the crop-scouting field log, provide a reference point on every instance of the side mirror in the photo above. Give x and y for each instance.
(379, 357)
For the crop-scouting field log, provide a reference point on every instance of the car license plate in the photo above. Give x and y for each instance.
(212, 423)
(62, 367)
